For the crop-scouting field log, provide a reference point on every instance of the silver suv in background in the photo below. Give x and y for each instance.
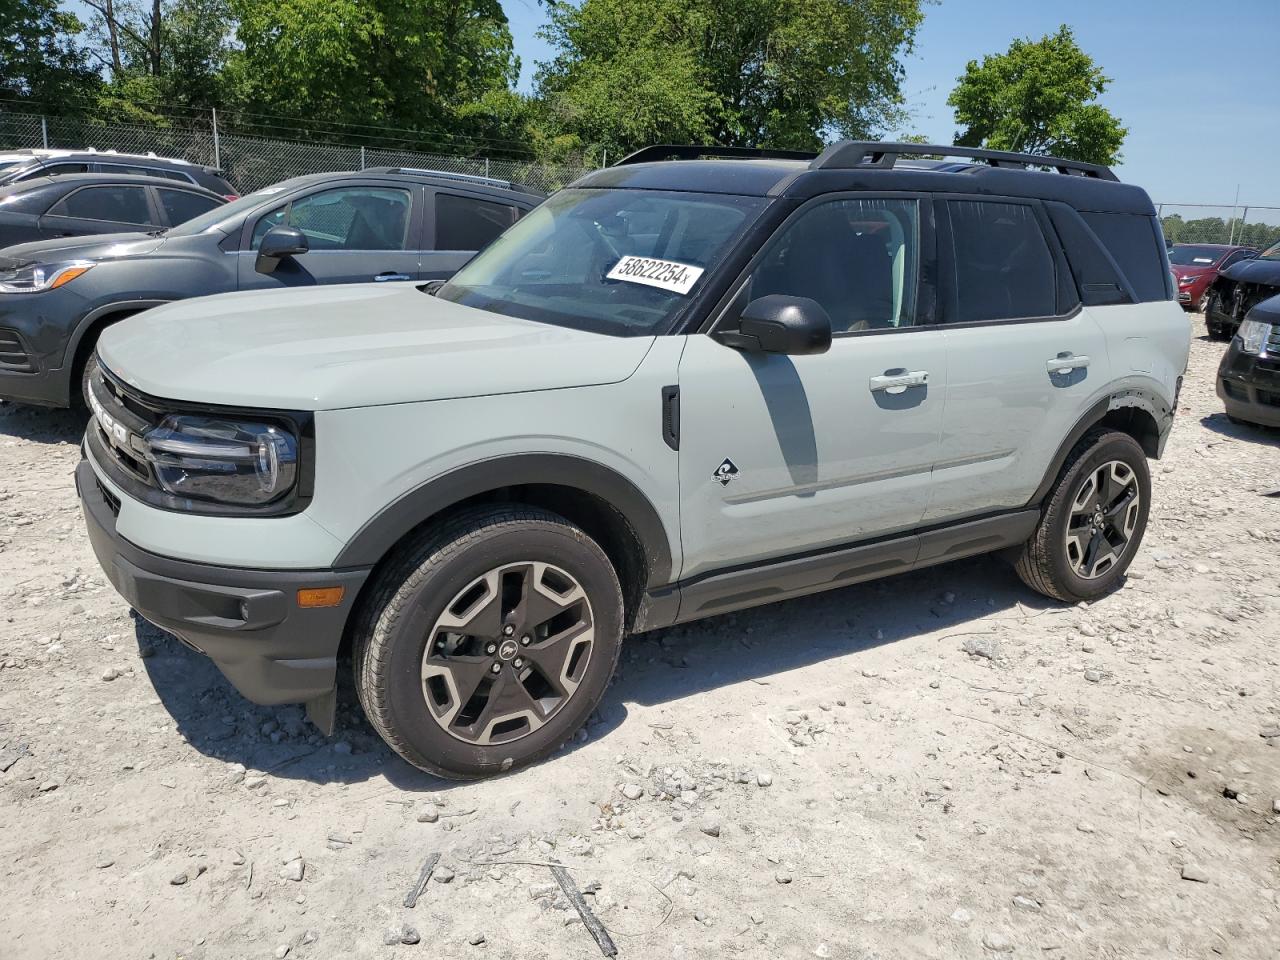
(675, 389)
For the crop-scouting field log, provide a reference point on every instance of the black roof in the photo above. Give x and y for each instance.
(863, 166)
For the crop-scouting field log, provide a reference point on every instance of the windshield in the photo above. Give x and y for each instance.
(215, 216)
(621, 262)
(1190, 255)
(1271, 253)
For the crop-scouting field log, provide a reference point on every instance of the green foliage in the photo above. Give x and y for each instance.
(1038, 97)
(781, 73)
(39, 56)
(378, 62)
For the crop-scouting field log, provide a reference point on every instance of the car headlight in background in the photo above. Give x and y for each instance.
(229, 461)
(37, 277)
(1186, 279)
(1253, 336)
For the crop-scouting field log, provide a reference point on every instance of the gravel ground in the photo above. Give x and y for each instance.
(938, 765)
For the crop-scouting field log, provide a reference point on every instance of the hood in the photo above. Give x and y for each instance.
(332, 347)
(100, 246)
(1254, 271)
(1192, 269)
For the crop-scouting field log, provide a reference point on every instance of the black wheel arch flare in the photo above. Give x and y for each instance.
(379, 535)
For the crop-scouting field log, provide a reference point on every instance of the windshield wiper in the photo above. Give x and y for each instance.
(158, 233)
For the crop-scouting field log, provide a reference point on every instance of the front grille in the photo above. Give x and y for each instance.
(120, 419)
(13, 354)
(112, 501)
(1269, 398)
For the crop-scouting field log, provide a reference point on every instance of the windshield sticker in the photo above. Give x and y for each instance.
(663, 274)
(1202, 260)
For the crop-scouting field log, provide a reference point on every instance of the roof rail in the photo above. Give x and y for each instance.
(447, 175)
(671, 151)
(849, 154)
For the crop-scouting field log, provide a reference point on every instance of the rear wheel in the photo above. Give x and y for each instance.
(490, 642)
(1094, 521)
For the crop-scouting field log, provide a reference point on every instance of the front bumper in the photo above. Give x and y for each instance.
(247, 621)
(1249, 386)
(42, 388)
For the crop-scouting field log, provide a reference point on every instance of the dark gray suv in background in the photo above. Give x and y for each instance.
(385, 224)
(53, 208)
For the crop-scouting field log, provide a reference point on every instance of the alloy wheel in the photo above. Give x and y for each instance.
(1103, 518)
(508, 652)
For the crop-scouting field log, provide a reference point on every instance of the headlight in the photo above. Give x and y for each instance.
(224, 460)
(1186, 279)
(36, 277)
(1253, 336)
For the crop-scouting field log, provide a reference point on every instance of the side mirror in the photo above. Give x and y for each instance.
(278, 243)
(781, 324)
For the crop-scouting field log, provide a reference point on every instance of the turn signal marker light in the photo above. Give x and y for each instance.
(67, 275)
(310, 597)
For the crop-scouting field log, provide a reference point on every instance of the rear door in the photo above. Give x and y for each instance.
(359, 232)
(460, 224)
(1024, 360)
(105, 208)
(782, 455)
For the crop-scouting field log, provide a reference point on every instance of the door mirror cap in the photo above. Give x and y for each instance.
(278, 243)
(795, 326)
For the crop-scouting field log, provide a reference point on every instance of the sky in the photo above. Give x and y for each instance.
(1193, 82)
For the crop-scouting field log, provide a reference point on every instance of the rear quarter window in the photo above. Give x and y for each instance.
(1132, 240)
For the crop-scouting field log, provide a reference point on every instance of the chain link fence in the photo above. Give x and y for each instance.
(252, 162)
(1243, 224)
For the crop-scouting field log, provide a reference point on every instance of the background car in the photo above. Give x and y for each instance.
(1238, 289)
(18, 165)
(47, 208)
(1249, 376)
(1196, 266)
(383, 224)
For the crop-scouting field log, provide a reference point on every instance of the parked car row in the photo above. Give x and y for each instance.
(57, 295)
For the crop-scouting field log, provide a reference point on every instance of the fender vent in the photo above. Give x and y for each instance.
(13, 355)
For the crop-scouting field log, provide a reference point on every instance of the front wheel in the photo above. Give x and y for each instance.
(490, 642)
(1093, 523)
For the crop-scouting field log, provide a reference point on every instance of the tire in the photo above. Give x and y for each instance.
(1216, 332)
(471, 572)
(86, 371)
(1060, 559)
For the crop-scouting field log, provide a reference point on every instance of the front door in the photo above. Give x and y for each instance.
(782, 455)
(359, 233)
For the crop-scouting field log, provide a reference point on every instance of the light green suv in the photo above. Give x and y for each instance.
(676, 389)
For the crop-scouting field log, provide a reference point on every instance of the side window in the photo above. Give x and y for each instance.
(181, 205)
(119, 203)
(346, 218)
(266, 222)
(858, 258)
(465, 223)
(1004, 270)
(57, 169)
(1131, 240)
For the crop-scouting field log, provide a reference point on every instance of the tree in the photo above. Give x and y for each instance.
(411, 65)
(1038, 97)
(781, 73)
(161, 52)
(39, 57)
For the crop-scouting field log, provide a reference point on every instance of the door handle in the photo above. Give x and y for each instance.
(380, 277)
(898, 382)
(1065, 362)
